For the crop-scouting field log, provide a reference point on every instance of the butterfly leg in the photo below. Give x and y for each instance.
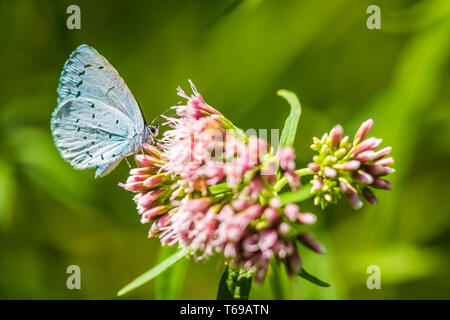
(129, 165)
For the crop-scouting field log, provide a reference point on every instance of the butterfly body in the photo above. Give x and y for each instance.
(97, 122)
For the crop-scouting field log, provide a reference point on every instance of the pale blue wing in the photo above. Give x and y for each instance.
(89, 133)
(87, 74)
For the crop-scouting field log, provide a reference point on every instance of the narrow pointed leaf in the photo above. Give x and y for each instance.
(169, 284)
(290, 126)
(307, 276)
(153, 272)
(299, 195)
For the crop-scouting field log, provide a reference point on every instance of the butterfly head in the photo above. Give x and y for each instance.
(153, 130)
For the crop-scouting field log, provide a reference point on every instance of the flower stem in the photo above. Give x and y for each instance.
(275, 281)
(283, 181)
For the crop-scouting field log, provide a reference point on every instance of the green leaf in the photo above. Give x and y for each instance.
(219, 188)
(235, 284)
(305, 275)
(290, 126)
(153, 272)
(169, 284)
(299, 195)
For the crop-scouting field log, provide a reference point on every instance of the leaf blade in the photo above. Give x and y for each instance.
(168, 285)
(309, 277)
(290, 126)
(299, 195)
(153, 272)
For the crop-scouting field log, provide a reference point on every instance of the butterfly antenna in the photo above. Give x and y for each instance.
(157, 118)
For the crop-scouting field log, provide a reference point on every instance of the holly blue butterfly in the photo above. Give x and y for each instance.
(97, 122)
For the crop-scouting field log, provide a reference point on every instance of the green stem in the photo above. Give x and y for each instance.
(275, 281)
(235, 284)
(283, 181)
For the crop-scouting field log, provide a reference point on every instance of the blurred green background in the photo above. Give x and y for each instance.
(238, 53)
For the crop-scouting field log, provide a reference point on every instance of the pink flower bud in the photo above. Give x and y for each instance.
(250, 243)
(352, 165)
(154, 181)
(369, 196)
(336, 136)
(317, 184)
(366, 156)
(362, 131)
(257, 147)
(381, 184)
(253, 211)
(291, 210)
(134, 187)
(354, 200)
(362, 177)
(368, 144)
(197, 205)
(230, 250)
(150, 214)
(308, 240)
(345, 186)
(255, 187)
(314, 166)
(198, 103)
(307, 218)
(385, 162)
(284, 228)
(292, 178)
(141, 171)
(275, 202)
(151, 149)
(240, 204)
(148, 198)
(271, 214)
(267, 240)
(329, 172)
(144, 160)
(286, 157)
(377, 170)
(383, 152)
(293, 264)
(132, 179)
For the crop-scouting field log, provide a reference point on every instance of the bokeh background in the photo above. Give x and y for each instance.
(238, 53)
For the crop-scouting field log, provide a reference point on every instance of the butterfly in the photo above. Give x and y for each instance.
(97, 122)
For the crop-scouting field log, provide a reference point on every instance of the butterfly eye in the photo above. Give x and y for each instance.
(154, 131)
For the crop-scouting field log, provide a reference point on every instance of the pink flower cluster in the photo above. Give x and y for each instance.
(206, 187)
(203, 151)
